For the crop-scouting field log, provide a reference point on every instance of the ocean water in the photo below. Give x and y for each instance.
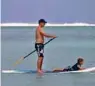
(59, 53)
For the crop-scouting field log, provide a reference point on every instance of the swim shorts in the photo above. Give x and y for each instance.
(40, 49)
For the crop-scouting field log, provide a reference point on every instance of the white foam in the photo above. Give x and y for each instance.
(92, 69)
(48, 24)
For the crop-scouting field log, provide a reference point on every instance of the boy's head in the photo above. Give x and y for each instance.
(80, 61)
(42, 22)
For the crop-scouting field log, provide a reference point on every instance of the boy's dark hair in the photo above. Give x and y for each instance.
(42, 21)
(80, 60)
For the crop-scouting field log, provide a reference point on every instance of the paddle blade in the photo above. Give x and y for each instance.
(18, 61)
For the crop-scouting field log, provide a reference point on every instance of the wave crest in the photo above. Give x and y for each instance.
(48, 24)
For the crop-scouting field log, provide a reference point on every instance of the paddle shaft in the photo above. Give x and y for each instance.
(35, 50)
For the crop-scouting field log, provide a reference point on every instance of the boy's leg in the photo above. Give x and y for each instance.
(40, 51)
(58, 70)
(39, 64)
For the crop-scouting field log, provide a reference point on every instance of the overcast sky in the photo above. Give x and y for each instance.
(54, 11)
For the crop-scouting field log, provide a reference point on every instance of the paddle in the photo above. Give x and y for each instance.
(22, 58)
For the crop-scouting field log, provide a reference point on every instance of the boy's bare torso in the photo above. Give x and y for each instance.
(39, 37)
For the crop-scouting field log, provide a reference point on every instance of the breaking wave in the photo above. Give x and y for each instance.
(48, 24)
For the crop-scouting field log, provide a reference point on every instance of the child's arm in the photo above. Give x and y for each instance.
(80, 68)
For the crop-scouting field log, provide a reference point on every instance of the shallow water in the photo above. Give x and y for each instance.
(61, 52)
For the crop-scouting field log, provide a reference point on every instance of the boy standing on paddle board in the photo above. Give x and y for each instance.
(39, 45)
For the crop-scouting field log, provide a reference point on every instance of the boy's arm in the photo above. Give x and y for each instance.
(80, 68)
(45, 34)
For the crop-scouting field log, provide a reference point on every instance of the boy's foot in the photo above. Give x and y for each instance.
(40, 71)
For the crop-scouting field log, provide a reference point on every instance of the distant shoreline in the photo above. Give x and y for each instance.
(48, 24)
